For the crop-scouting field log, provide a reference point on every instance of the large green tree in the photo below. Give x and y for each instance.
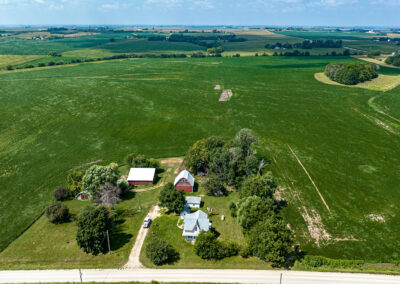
(253, 209)
(271, 240)
(97, 175)
(171, 198)
(160, 252)
(259, 185)
(93, 224)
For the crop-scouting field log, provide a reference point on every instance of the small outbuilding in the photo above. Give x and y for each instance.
(141, 176)
(184, 181)
(193, 201)
(84, 195)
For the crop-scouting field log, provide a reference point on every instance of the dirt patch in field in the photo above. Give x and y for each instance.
(278, 194)
(225, 95)
(315, 226)
(171, 161)
(217, 87)
(376, 218)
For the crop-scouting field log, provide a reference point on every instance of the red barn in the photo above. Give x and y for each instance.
(184, 181)
(141, 176)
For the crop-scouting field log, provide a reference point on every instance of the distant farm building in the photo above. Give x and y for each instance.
(141, 176)
(184, 181)
(84, 195)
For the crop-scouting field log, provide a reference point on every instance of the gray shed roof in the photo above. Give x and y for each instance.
(193, 199)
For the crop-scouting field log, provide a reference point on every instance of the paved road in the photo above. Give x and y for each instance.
(134, 261)
(194, 275)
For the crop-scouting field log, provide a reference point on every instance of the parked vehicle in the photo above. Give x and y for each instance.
(146, 222)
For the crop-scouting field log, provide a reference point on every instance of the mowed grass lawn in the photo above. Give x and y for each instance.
(166, 227)
(55, 119)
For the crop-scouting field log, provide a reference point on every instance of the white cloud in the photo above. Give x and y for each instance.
(39, 1)
(56, 6)
(167, 3)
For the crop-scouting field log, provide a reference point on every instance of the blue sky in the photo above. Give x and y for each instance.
(202, 12)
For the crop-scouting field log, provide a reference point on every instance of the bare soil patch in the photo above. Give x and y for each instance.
(217, 87)
(315, 226)
(225, 95)
(376, 218)
(171, 161)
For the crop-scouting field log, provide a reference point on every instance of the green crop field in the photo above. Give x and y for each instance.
(55, 119)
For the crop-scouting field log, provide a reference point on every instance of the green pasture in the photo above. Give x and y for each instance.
(55, 119)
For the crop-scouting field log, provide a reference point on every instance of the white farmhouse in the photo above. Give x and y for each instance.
(194, 223)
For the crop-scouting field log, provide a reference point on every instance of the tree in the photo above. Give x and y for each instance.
(74, 181)
(271, 240)
(57, 213)
(245, 139)
(10, 67)
(346, 52)
(93, 224)
(171, 198)
(206, 245)
(214, 186)
(261, 186)
(160, 252)
(55, 54)
(254, 209)
(108, 195)
(140, 161)
(61, 194)
(97, 175)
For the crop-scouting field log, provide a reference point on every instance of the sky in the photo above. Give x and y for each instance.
(201, 12)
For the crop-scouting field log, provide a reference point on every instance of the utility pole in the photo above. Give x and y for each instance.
(80, 275)
(140, 207)
(108, 241)
(280, 282)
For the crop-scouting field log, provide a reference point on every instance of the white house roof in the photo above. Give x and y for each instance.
(199, 219)
(185, 174)
(141, 174)
(193, 200)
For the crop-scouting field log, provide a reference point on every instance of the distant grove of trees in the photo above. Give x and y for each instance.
(307, 44)
(351, 73)
(393, 60)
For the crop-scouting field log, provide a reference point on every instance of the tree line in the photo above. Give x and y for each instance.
(307, 44)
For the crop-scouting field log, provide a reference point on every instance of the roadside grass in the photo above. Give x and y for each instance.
(13, 60)
(382, 83)
(159, 107)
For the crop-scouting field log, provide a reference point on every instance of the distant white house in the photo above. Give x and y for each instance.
(194, 223)
(193, 201)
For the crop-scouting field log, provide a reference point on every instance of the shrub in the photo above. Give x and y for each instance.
(245, 251)
(393, 60)
(233, 209)
(51, 63)
(93, 224)
(55, 54)
(60, 63)
(318, 261)
(123, 185)
(41, 64)
(57, 213)
(10, 67)
(171, 198)
(29, 66)
(160, 252)
(74, 181)
(61, 194)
